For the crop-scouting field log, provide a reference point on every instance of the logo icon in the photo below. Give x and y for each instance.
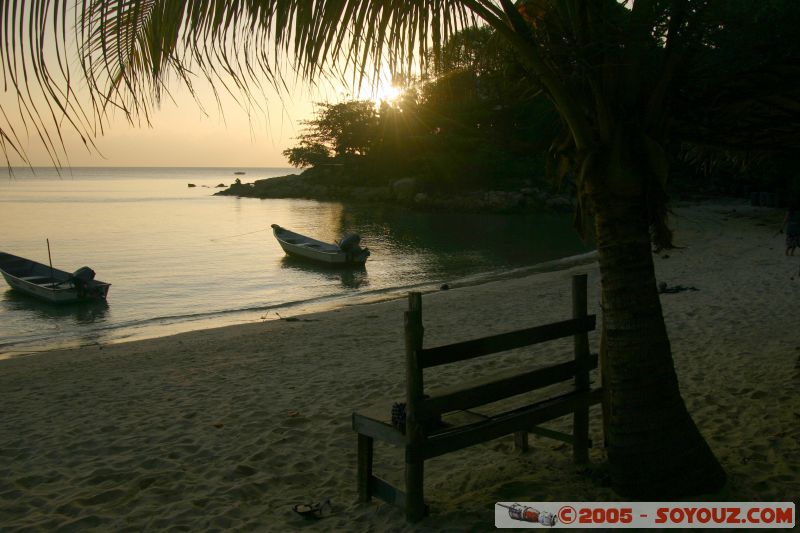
(522, 513)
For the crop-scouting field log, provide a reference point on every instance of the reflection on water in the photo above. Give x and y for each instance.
(59, 325)
(350, 277)
(88, 312)
(425, 246)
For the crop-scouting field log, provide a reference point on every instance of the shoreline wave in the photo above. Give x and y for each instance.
(164, 326)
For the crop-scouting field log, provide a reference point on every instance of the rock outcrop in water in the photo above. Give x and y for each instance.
(405, 191)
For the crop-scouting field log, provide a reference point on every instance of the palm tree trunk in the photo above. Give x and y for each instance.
(654, 447)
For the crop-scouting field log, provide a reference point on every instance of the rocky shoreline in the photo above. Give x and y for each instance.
(407, 192)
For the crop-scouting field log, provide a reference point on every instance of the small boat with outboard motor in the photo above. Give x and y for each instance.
(51, 284)
(347, 251)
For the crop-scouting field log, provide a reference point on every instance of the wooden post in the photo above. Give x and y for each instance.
(365, 446)
(521, 441)
(580, 420)
(415, 464)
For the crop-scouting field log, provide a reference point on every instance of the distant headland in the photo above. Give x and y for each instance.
(328, 185)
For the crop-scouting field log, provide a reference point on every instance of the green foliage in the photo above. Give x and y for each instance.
(346, 128)
(307, 154)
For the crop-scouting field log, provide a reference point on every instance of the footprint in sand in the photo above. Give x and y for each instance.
(259, 456)
(80, 524)
(103, 497)
(29, 482)
(68, 509)
(244, 470)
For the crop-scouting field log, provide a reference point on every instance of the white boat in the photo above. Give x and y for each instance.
(345, 252)
(51, 284)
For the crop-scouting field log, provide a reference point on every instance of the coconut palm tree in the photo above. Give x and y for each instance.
(620, 75)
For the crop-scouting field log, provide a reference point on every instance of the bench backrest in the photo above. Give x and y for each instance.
(420, 408)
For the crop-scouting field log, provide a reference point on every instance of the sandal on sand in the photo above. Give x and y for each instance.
(313, 510)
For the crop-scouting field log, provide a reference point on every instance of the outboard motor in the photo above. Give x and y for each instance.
(350, 243)
(84, 273)
(81, 280)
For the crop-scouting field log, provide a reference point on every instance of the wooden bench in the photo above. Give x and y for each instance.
(444, 422)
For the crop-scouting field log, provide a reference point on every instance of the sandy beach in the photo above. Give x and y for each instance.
(230, 427)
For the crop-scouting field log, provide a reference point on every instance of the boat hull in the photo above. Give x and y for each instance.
(50, 285)
(303, 247)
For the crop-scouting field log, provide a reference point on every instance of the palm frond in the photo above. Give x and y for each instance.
(131, 51)
(40, 97)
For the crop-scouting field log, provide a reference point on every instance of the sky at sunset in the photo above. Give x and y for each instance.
(182, 134)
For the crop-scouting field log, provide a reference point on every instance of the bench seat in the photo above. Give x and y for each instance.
(463, 428)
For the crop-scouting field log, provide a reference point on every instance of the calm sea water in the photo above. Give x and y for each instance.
(179, 258)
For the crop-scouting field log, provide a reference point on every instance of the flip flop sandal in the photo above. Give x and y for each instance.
(313, 511)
